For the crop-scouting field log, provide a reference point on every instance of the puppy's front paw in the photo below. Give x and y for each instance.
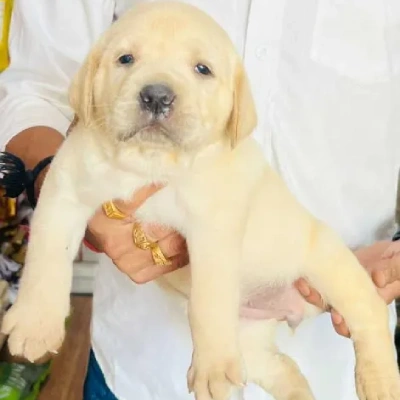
(34, 329)
(212, 377)
(375, 383)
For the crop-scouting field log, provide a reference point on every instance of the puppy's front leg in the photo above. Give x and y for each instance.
(214, 311)
(36, 322)
(334, 271)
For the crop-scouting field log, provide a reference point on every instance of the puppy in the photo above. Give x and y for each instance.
(163, 98)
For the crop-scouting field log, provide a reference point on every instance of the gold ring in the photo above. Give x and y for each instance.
(112, 211)
(142, 242)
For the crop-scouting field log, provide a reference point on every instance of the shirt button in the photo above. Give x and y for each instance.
(261, 52)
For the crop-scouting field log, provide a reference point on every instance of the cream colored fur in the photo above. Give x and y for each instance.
(235, 211)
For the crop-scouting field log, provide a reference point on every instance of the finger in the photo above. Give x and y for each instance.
(337, 319)
(390, 292)
(101, 225)
(157, 232)
(310, 294)
(134, 261)
(378, 277)
(138, 198)
(392, 250)
(339, 324)
(121, 244)
(118, 241)
(342, 330)
(173, 245)
(152, 271)
(369, 254)
(389, 274)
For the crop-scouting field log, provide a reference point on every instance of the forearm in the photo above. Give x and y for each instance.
(33, 145)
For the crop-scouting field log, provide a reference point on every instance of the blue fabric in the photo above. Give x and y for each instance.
(95, 387)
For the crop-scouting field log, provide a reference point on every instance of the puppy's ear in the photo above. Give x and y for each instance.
(243, 118)
(81, 94)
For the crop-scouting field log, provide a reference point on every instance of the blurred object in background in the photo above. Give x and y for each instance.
(15, 215)
(5, 20)
(397, 237)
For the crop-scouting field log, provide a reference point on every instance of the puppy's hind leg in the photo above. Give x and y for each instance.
(273, 371)
(335, 272)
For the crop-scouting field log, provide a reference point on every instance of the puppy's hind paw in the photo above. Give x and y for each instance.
(377, 386)
(214, 380)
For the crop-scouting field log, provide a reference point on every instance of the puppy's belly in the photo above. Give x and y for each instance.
(283, 303)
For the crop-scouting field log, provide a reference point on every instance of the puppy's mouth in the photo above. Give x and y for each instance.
(154, 131)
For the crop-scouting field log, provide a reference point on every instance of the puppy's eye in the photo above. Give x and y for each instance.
(126, 59)
(202, 69)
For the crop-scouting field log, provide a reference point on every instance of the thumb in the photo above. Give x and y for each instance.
(138, 198)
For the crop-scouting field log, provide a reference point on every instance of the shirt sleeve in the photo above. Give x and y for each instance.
(47, 43)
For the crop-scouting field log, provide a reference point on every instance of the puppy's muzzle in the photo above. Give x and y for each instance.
(157, 99)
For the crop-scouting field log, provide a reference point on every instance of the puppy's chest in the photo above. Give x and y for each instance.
(97, 185)
(164, 208)
(103, 183)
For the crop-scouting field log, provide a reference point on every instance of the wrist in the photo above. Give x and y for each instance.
(92, 243)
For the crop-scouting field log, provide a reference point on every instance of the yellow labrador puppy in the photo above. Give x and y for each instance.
(163, 97)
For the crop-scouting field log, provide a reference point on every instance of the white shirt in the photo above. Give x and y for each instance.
(326, 79)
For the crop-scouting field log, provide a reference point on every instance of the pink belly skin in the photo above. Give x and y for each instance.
(286, 304)
(282, 303)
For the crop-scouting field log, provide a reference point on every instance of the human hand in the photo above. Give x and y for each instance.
(114, 237)
(381, 264)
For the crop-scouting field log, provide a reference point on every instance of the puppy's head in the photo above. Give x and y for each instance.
(164, 76)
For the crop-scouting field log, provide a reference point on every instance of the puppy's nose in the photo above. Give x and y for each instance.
(156, 98)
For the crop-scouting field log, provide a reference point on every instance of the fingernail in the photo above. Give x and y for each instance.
(336, 318)
(303, 288)
(380, 279)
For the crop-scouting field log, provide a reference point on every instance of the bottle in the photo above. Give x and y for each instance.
(5, 19)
